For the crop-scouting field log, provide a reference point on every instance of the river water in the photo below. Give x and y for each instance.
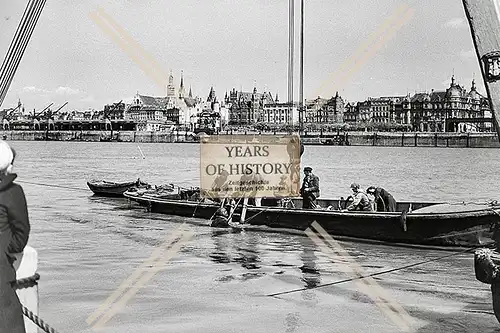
(218, 281)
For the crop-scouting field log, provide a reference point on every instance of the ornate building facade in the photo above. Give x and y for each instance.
(450, 110)
(281, 113)
(173, 109)
(325, 111)
(247, 107)
(433, 111)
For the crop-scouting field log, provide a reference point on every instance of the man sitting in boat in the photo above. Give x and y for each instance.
(360, 200)
(310, 189)
(384, 201)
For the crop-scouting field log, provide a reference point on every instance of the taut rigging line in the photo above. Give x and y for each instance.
(18, 45)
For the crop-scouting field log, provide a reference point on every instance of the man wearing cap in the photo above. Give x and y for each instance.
(361, 201)
(310, 189)
(14, 233)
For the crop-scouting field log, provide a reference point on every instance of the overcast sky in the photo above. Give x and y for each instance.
(234, 43)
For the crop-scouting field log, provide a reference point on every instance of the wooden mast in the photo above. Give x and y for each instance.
(484, 23)
(301, 92)
(291, 47)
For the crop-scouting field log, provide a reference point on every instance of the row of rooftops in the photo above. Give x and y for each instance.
(454, 92)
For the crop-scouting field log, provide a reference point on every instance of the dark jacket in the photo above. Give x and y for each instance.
(14, 232)
(312, 183)
(384, 201)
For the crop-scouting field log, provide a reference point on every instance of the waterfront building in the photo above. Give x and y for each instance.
(281, 114)
(351, 113)
(332, 111)
(382, 110)
(313, 110)
(247, 107)
(450, 110)
(151, 112)
(325, 111)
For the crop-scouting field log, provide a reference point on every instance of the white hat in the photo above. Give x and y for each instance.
(6, 156)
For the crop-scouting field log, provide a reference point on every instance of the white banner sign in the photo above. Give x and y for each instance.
(249, 166)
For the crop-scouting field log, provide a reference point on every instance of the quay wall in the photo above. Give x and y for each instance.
(379, 139)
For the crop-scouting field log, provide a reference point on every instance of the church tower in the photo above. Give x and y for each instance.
(211, 95)
(181, 88)
(170, 86)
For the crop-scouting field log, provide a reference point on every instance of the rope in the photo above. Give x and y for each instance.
(37, 320)
(52, 185)
(255, 215)
(26, 282)
(29, 282)
(384, 271)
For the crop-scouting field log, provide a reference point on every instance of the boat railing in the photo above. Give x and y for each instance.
(26, 267)
(337, 204)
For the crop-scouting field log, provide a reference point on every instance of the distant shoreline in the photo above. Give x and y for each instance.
(376, 139)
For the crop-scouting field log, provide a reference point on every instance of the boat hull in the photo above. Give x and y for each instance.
(462, 228)
(424, 229)
(109, 189)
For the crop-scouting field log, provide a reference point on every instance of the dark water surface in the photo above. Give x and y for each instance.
(217, 282)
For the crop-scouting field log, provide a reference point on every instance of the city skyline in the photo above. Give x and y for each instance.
(81, 65)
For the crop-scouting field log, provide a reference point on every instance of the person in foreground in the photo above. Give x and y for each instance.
(384, 201)
(360, 200)
(14, 233)
(310, 189)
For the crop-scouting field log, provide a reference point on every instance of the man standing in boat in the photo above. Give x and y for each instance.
(361, 201)
(310, 189)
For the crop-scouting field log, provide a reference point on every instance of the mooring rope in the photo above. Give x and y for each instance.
(26, 282)
(38, 321)
(53, 185)
(29, 282)
(384, 271)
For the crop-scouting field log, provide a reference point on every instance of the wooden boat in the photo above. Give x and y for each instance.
(422, 223)
(113, 189)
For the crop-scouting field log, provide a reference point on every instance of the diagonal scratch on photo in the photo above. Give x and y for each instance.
(236, 166)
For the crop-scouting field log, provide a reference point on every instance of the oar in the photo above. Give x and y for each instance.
(244, 210)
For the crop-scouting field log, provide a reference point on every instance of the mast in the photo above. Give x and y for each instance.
(484, 23)
(301, 93)
(291, 46)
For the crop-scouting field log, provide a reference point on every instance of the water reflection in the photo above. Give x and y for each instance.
(241, 248)
(247, 252)
(222, 245)
(310, 272)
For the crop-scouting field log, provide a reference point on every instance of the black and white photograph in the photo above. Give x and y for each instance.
(223, 166)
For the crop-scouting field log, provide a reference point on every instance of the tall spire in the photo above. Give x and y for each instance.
(190, 92)
(211, 95)
(181, 88)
